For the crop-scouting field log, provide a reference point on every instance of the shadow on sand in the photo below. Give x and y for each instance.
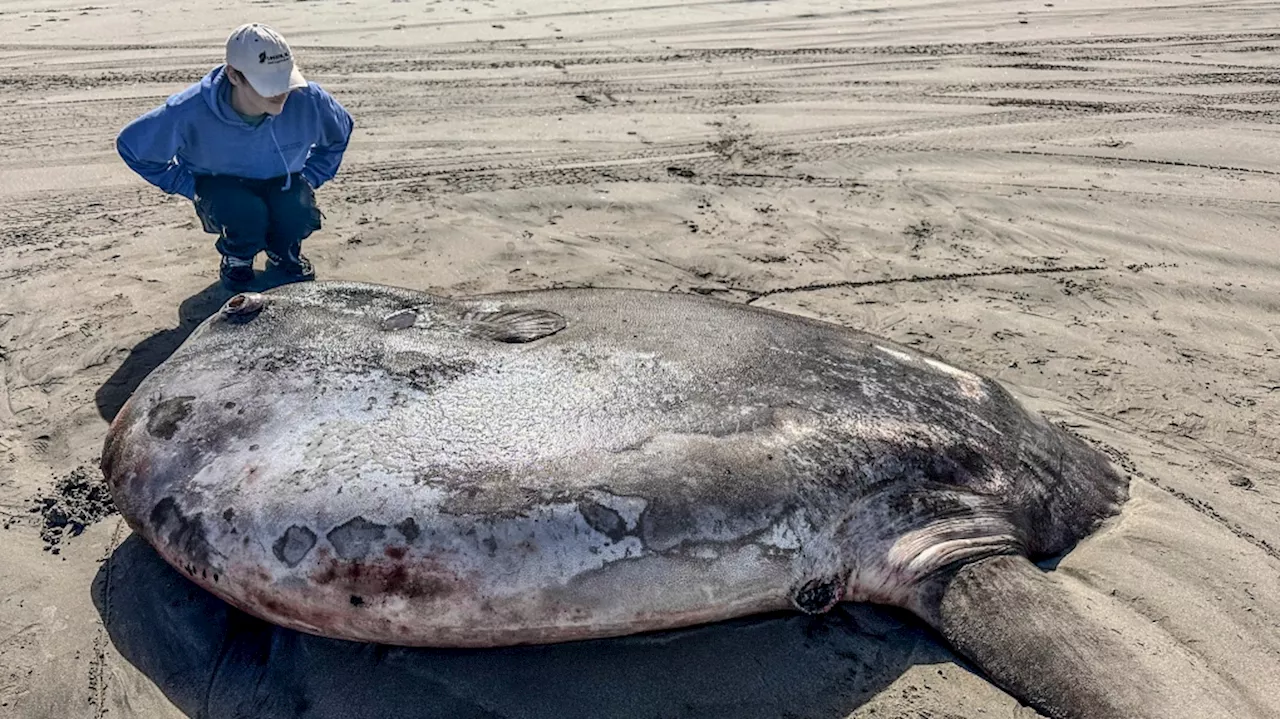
(214, 661)
(154, 350)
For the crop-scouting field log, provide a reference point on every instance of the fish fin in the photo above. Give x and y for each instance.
(1047, 642)
(514, 325)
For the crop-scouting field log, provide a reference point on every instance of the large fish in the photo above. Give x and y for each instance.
(383, 465)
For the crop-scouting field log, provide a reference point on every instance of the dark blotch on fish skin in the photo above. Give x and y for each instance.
(818, 596)
(426, 372)
(397, 580)
(293, 545)
(604, 520)
(352, 539)
(381, 578)
(184, 534)
(163, 419)
(409, 528)
(357, 601)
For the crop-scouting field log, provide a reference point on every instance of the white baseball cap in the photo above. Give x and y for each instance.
(264, 58)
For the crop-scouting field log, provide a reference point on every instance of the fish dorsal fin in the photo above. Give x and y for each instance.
(513, 325)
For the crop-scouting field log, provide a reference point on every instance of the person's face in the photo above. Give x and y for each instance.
(250, 101)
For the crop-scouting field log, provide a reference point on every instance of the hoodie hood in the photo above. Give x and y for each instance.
(215, 88)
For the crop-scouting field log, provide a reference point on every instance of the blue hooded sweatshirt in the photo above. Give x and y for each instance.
(198, 132)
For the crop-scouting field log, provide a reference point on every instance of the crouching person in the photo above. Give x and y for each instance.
(248, 144)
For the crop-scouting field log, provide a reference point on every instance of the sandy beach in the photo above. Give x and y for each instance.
(1078, 198)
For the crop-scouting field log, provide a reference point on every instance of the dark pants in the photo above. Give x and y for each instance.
(250, 216)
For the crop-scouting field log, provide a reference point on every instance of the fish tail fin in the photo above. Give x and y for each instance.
(1066, 651)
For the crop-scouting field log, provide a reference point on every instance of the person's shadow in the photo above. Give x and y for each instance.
(214, 661)
(151, 352)
(154, 350)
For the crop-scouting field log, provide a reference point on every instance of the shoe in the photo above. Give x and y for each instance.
(299, 270)
(236, 274)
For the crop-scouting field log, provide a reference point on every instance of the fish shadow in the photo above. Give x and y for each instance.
(212, 660)
(154, 350)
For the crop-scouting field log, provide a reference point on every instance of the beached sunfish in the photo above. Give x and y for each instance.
(379, 464)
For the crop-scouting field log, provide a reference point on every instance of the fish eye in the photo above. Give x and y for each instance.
(245, 303)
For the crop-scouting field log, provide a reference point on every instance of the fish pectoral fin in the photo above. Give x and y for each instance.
(514, 325)
(1055, 644)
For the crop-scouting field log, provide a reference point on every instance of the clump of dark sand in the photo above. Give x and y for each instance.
(78, 500)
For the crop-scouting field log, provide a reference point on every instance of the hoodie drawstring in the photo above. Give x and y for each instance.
(288, 176)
